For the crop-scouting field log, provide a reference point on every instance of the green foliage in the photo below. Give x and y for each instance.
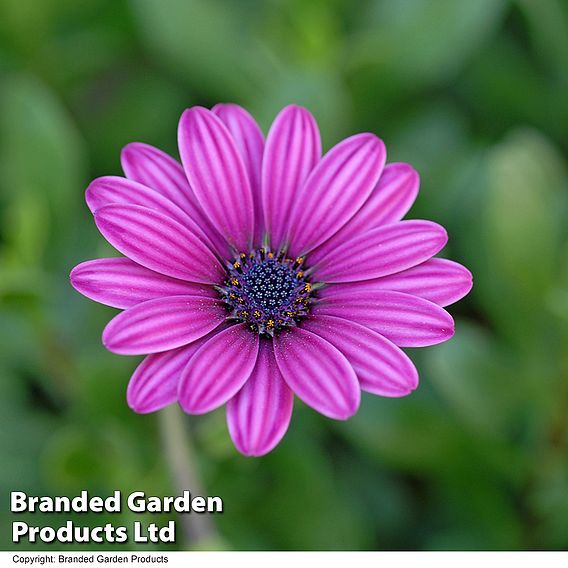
(473, 93)
(422, 43)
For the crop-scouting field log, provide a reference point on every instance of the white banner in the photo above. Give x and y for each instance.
(277, 559)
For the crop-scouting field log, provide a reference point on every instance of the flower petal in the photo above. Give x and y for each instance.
(217, 175)
(382, 368)
(156, 169)
(389, 202)
(161, 324)
(121, 283)
(218, 370)
(335, 190)
(408, 321)
(318, 373)
(381, 251)
(113, 189)
(154, 383)
(439, 280)
(259, 414)
(159, 243)
(293, 148)
(159, 171)
(250, 142)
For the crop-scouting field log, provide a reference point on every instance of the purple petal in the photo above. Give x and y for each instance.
(381, 251)
(162, 324)
(154, 383)
(439, 280)
(259, 414)
(335, 190)
(382, 368)
(158, 243)
(293, 148)
(112, 189)
(217, 175)
(160, 172)
(250, 141)
(318, 373)
(218, 370)
(406, 320)
(156, 169)
(389, 202)
(121, 283)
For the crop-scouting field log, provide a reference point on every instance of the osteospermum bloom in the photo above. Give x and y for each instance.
(255, 271)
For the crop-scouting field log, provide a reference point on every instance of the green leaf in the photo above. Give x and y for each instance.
(549, 498)
(205, 42)
(475, 379)
(434, 141)
(548, 24)
(43, 162)
(319, 90)
(26, 230)
(413, 434)
(522, 230)
(420, 42)
(145, 107)
(503, 90)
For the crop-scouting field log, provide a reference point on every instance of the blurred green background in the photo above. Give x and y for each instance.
(473, 93)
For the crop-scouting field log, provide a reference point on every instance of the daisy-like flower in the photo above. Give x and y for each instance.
(257, 271)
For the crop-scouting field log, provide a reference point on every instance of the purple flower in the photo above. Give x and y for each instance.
(260, 270)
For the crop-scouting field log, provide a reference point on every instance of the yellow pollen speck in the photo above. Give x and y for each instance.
(270, 323)
(300, 274)
(299, 260)
(234, 282)
(233, 296)
(307, 287)
(240, 300)
(243, 255)
(270, 255)
(256, 314)
(236, 265)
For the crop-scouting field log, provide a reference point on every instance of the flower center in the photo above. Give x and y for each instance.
(266, 291)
